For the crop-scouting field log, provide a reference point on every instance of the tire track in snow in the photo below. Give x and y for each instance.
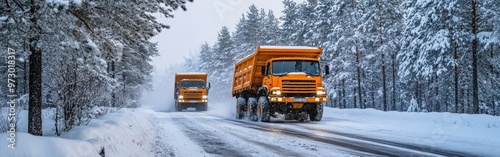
(252, 142)
(357, 145)
(207, 139)
(275, 148)
(377, 144)
(416, 147)
(160, 148)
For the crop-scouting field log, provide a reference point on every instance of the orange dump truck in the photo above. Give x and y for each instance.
(191, 90)
(284, 80)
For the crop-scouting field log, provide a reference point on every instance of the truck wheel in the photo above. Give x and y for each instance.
(177, 107)
(252, 103)
(204, 107)
(264, 109)
(240, 107)
(316, 113)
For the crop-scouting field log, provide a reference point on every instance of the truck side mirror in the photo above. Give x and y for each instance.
(208, 88)
(263, 70)
(327, 70)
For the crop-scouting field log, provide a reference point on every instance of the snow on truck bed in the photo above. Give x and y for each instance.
(289, 47)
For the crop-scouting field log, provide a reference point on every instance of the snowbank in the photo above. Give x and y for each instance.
(126, 132)
(478, 134)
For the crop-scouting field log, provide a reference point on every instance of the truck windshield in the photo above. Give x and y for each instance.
(187, 84)
(285, 67)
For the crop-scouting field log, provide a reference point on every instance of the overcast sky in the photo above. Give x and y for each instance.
(201, 23)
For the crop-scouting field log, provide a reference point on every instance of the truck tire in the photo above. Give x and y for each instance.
(316, 113)
(204, 107)
(240, 107)
(177, 107)
(252, 103)
(264, 109)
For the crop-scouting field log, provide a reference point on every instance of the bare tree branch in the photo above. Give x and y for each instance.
(82, 20)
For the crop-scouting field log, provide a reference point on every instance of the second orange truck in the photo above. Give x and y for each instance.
(285, 80)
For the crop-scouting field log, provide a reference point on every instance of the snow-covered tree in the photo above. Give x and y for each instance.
(271, 29)
(386, 54)
(289, 25)
(223, 62)
(102, 47)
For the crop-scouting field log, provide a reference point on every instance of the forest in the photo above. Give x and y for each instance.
(78, 56)
(383, 54)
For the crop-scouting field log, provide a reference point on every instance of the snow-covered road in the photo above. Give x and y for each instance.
(156, 131)
(200, 133)
(190, 133)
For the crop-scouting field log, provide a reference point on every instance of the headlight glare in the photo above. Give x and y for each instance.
(320, 92)
(276, 92)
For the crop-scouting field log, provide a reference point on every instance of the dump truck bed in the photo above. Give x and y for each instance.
(247, 71)
(192, 76)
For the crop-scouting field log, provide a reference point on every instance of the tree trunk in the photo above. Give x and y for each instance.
(354, 98)
(113, 93)
(475, 88)
(417, 93)
(26, 74)
(343, 94)
(436, 101)
(456, 78)
(492, 73)
(384, 88)
(359, 78)
(35, 76)
(394, 82)
(373, 97)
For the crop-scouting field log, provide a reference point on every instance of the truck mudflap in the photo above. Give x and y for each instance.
(298, 100)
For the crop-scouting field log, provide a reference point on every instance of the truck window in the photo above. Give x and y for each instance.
(267, 69)
(285, 67)
(187, 84)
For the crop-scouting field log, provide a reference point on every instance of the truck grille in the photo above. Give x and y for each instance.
(192, 92)
(298, 88)
(192, 95)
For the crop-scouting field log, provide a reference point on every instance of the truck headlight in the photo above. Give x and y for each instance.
(321, 92)
(276, 92)
(181, 97)
(205, 97)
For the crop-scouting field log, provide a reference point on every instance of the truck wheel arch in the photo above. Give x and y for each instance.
(262, 91)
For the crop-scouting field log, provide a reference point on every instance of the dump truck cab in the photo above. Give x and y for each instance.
(191, 90)
(285, 80)
(293, 80)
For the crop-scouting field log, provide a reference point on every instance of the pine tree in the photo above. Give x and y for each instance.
(271, 27)
(93, 34)
(289, 25)
(206, 58)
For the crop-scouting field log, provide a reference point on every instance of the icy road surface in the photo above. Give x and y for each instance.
(191, 133)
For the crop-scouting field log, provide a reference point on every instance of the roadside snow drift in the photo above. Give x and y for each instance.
(126, 132)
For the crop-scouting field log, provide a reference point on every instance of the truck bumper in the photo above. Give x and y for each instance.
(298, 100)
(192, 101)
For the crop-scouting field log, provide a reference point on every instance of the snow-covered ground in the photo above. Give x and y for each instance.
(154, 131)
(126, 132)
